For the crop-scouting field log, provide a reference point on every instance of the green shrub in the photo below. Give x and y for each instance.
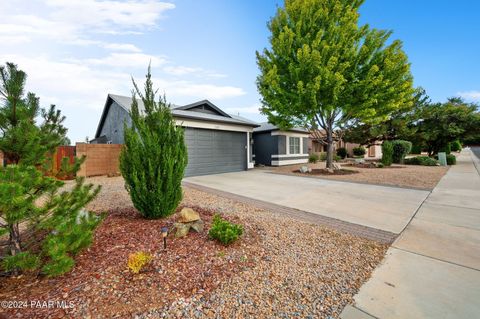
(154, 155)
(387, 153)
(342, 152)
(323, 156)
(400, 150)
(380, 165)
(224, 231)
(421, 160)
(456, 146)
(359, 151)
(451, 159)
(447, 149)
(416, 149)
(313, 158)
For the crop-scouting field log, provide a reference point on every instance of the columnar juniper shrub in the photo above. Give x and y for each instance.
(387, 153)
(446, 148)
(400, 150)
(154, 156)
(421, 160)
(224, 231)
(359, 151)
(342, 152)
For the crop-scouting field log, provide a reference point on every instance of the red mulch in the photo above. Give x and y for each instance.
(100, 285)
(323, 171)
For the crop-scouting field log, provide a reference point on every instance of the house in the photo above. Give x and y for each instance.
(372, 152)
(275, 147)
(217, 142)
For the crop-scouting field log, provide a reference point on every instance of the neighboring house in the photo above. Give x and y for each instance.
(216, 141)
(373, 151)
(274, 147)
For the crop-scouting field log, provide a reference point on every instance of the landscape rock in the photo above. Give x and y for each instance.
(187, 215)
(304, 169)
(197, 226)
(336, 166)
(181, 230)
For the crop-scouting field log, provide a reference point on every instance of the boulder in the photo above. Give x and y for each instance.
(197, 225)
(336, 166)
(304, 169)
(181, 230)
(187, 215)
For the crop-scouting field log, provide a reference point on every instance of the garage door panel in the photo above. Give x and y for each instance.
(211, 151)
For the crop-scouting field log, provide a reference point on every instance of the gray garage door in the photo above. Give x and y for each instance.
(211, 151)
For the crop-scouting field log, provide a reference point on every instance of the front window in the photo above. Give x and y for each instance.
(294, 145)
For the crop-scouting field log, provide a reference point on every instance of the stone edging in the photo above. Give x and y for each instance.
(378, 235)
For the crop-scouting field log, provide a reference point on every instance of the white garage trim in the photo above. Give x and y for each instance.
(289, 162)
(213, 125)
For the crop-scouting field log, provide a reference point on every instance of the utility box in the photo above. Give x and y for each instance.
(442, 158)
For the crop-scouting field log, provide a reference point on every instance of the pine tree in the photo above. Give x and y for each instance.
(154, 156)
(46, 227)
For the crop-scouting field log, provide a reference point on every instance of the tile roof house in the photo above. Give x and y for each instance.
(217, 142)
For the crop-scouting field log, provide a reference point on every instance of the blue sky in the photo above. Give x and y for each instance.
(77, 51)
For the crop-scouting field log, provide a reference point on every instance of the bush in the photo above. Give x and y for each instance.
(400, 150)
(416, 149)
(447, 149)
(387, 153)
(421, 160)
(451, 159)
(359, 151)
(342, 152)
(380, 165)
(313, 158)
(137, 261)
(154, 156)
(456, 146)
(224, 231)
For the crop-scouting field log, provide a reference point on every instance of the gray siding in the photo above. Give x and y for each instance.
(264, 146)
(213, 151)
(282, 145)
(113, 125)
(305, 145)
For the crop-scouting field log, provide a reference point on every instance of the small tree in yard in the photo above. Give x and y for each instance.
(325, 72)
(154, 158)
(46, 228)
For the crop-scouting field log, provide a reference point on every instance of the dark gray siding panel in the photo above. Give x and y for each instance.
(113, 126)
(212, 151)
(282, 144)
(305, 145)
(264, 145)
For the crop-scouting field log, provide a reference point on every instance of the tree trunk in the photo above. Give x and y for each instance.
(14, 242)
(329, 132)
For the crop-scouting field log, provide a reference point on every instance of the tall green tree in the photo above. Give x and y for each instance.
(437, 124)
(46, 226)
(154, 156)
(325, 72)
(398, 124)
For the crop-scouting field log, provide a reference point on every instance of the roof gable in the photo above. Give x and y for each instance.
(204, 106)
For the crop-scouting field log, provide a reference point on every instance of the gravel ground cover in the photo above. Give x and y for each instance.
(413, 176)
(280, 268)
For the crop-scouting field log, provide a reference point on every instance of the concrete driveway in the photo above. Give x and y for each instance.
(381, 207)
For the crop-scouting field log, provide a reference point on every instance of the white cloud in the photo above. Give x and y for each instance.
(254, 109)
(121, 47)
(128, 60)
(185, 70)
(470, 95)
(181, 89)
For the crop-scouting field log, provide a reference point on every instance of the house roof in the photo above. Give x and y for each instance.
(178, 111)
(268, 127)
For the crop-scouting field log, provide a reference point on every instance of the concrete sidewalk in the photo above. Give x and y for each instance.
(432, 270)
